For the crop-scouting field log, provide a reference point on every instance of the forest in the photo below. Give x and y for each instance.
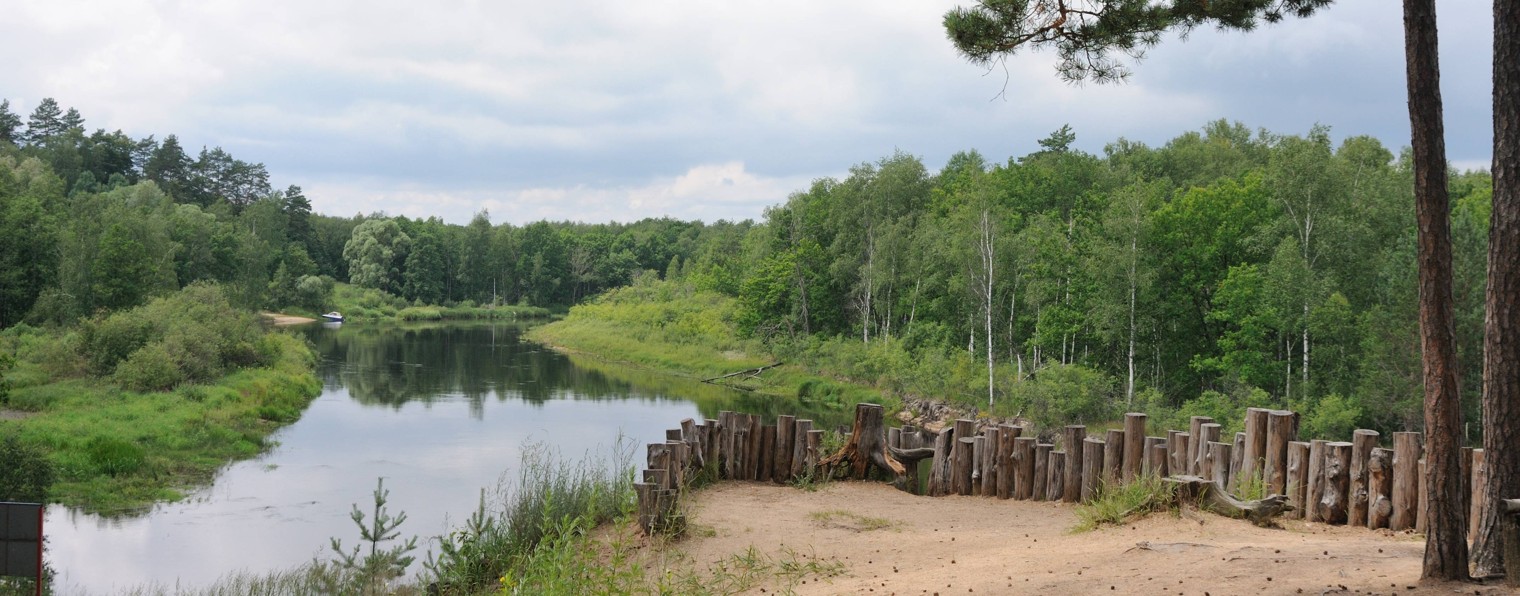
(1227, 265)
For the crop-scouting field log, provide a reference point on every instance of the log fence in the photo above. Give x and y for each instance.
(1365, 482)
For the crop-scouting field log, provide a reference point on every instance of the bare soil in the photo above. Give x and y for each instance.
(283, 320)
(892, 542)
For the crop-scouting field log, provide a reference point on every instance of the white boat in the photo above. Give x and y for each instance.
(333, 317)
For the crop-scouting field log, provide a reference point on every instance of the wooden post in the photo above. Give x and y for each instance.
(725, 442)
(1210, 434)
(1479, 492)
(1198, 445)
(1041, 462)
(1219, 462)
(963, 430)
(1509, 530)
(963, 465)
(1055, 483)
(1316, 485)
(1023, 460)
(1282, 427)
(646, 506)
(658, 459)
(799, 447)
(992, 436)
(786, 429)
(942, 467)
(1363, 441)
(1337, 483)
(1298, 476)
(1072, 484)
(680, 457)
(978, 464)
(1406, 455)
(1379, 487)
(1254, 458)
(714, 437)
(1237, 455)
(689, 435)
(1158, 463)
(1006, 468)
(814, 445)
(1113, 457)
(1092, 466)
(766, 463)
(1173, 444)
(1134, 445)
(756, 440)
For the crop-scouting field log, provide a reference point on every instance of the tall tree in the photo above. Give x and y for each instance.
(10, 124)
(45, 122)
(1501, 337)
(297, 210)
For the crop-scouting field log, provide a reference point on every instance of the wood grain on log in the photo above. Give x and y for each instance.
(1406, 457)
(1198, 443)
(1298, 476)
(1092, 468)
(1332, 506)
(1282, 427)
(1210, 434)
(1379, 487)
(1055, 482)
(781, 461)
(1254, 458)
(1041, 461)
(1134, 445)
(1113, 457)
(1072, 484)
(1207, 494)
(1316, 485)
(1363, 441)
(1023, 461)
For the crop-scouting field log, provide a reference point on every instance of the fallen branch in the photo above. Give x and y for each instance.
(752, 372)
(1208, 495)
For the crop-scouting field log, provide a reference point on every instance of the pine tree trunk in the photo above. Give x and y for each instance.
(1445, 541)
(1501, 333)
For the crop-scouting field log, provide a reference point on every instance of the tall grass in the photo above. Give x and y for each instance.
(1120, 504)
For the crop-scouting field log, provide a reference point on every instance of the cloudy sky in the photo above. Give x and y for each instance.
(597, 111)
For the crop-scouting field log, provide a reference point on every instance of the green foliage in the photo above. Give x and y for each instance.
(115, 457)
(375, 569)
(194, 335)
(27, 475)
(1126, 502)
(1331, 417)
(150, 368)
(1061, 395)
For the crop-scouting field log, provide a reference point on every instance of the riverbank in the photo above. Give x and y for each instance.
(368, 305)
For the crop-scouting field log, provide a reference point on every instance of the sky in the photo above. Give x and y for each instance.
(617, 111)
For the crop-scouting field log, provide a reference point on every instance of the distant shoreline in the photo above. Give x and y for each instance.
(284, 320)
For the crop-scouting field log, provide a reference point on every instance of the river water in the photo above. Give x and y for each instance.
(440, 412)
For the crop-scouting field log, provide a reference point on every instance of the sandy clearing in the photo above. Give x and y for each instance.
(974, 545)
(283, 320)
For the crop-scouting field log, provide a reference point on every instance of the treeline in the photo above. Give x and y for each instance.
(101, 222)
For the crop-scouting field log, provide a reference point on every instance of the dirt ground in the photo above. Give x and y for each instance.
(975, 545)
(282, 320)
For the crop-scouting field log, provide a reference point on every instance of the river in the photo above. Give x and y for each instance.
(439, 411)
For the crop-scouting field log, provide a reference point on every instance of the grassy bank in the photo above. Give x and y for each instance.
(142, 405)
(676, 329)
(371, 305)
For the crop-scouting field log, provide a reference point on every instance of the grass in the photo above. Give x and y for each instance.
(116, 450)
(1118, 505)
(839, 518)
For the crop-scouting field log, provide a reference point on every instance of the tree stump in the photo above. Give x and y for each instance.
(940, 472)
(1363, 441)
(1316, 486)
(990, 439)
(1332, 506)
(866, 448)
(1282, 427)
(756, 439)
(1006, 469)
(1254, 458)
(1406, 469)
(1207, 494)
(964, 429)
(1113, 457)
(1210, 434)
(1219, 462)
(965, 465)
(781, 460)
(1023, 461)
(1041, 462)
(1198, 443)
(1134, 445)
(1055, 482)
(1176, 450)
(1379, 488)
(1092, 467)
(1153, 461)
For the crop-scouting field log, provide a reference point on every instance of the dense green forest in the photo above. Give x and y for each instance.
(1226, 265)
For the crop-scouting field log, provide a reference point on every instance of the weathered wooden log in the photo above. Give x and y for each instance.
(978, 464)
(1153, 461)
(1134, 445)
(867, 448)
(766, 463)
(1219, 462)
(1041, 462)
(941, 471)
(1092, 468)
(712, 435)
(1006, 469)
(799, 447)
(910, 459)
(658, 459)
(679, 456)
(1207, 494)
(1055, 482)
(814, 450)
(657, 478)
(1298, 476)
(689, 435)
(754, 448)
(1113, 457)
(1072, 443)
(1158, 462)
(964, 429)
(1282, 427)
(1363, 441)
(1237, 455)
(1210, 433)
(1406, 457)
(644, 492)
(786, 444)
(1198, 444)
(1316, 485)
(964, 465)
(1379, 487)
(1254, 458)
(725, 440)
(990, 438)
(1479, 492)
(1023, 461)
(894, 437)
(1332, 506)
(1173, 444)
(1181, 460)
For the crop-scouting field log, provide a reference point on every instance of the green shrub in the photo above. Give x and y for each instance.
(27, 474)
(114, 457)
(150, 368)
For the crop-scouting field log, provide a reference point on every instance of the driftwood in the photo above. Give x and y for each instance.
(1207, 494)
(867, 448)
(752, 372)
